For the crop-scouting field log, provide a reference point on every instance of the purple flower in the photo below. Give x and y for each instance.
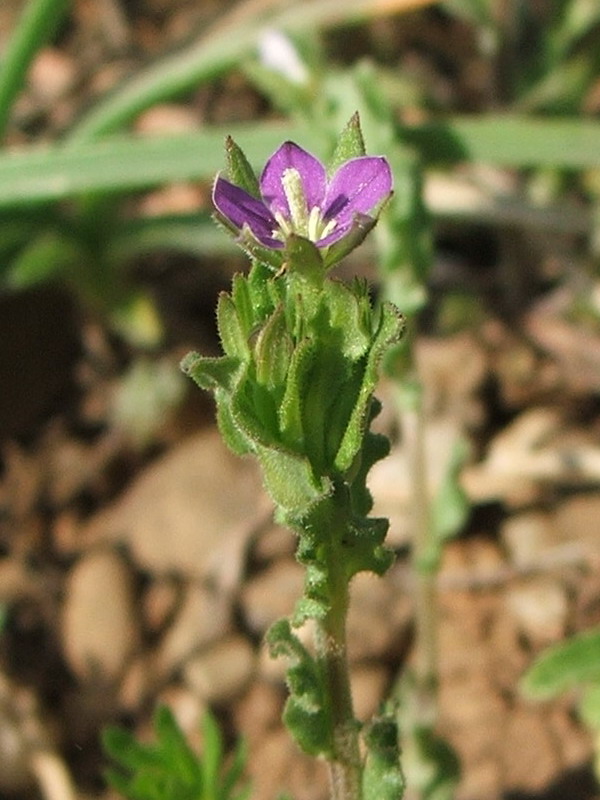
(296, 198)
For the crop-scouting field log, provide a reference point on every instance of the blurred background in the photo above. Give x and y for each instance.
(139, 563)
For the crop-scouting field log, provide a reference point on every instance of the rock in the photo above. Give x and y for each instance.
(273, 543)
(540, 608)
(390, 483)
(368, 688)
(528, 538)
(204, 616)
(259, 710)
(378, 619)
(528, 751)
(276, 767)
(191, 512)
(222, 671)
(272, 594)
(99, 623)
(578, 519)
(160, 603)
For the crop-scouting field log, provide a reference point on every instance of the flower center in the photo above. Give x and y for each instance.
(309, 224)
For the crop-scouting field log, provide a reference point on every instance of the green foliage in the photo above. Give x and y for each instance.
(168, 769)
(37, 25)
(573, 664)
(431, 763)
(382, 776)
(564, 666)
(306, 712)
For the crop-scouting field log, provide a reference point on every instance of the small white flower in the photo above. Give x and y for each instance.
(278, 53)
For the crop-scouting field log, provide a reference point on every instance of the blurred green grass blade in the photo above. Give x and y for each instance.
(37, 25)
(510, 141)
(49, 255)
(221, 47)
(193, 234)
(127, 163)
(578, 19)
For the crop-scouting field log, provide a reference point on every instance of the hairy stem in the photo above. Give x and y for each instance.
(345, 767)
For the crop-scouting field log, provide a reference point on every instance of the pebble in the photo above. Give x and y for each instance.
(540, 607)
(378, 619)
(190, 513)
(528, 751)
(204, 616)
(369, 683)
(99, 622)
(222, 671)
(272, 594)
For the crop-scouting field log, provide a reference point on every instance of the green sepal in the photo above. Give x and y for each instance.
(239, 171)
(361, 226)
(390, 329)
(306, 711)
(273, 351)
(211, 373)
(263, 292)
(233, 336)
(290, 481)
(350, 314)
(290, 410)
(230, 430)
(325, 406)
(350, 144)
(274, 259)
(382, 777)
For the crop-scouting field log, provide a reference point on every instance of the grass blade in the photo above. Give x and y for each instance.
(37, 25)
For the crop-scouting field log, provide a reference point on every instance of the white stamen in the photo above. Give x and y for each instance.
(310, 225)
(294, 193)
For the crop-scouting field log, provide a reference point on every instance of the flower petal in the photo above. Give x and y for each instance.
(310, 169)
(358, 187)
(240, 208)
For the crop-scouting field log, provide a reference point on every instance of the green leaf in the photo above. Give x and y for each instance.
(382, 776)
(350, 144)
(48, 255)
(212, 755)
(563, 666)
(305, 712)
(290, 480)
(233, 337)
(589, 705)
(175, 751)
(211, 373)
(390, 329)
(169, 769)
(272, 352)
(290, 409)
(239, 170)
(347, 316)
(232, 434)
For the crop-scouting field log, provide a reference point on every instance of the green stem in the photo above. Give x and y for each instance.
(345, 766)
(426, 652)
